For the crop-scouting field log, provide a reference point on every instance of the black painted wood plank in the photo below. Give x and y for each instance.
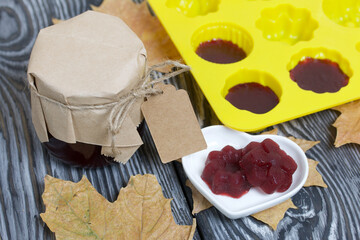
(23, 161)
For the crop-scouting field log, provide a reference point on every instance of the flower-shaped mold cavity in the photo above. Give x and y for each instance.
(333, 59)
(230, 34)
(193, 8)
(259, 92)
(287, 24)
(344, 12)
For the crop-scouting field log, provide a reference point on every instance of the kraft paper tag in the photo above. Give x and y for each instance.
(173, 124)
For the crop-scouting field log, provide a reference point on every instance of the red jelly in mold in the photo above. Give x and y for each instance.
(220, 51)
(253, 97)
(319, 75)
(233, 172)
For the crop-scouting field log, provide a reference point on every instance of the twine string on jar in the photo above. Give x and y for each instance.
(122, 106)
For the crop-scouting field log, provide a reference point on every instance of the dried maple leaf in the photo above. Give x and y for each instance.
(348, 124)
(273, 216)
(78, 211)
(314, 178)
(56, 21)
(200, 203)
(305, 145)
(272, 131)
(148, 28)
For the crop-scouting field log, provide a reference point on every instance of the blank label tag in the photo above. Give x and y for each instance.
(173, 124)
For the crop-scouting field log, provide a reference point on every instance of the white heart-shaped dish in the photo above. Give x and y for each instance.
(255, 200)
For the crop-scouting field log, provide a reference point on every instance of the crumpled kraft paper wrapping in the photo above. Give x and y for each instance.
(90, 59)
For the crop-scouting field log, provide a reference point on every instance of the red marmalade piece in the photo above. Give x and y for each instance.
(319, 75)
(267, 166)
(233, 172)
(223, 174)
(220, 51)
(253, 97)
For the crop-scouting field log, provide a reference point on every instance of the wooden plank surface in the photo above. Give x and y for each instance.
(332, 213)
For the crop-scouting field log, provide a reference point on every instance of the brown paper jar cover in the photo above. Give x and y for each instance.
(91, 59)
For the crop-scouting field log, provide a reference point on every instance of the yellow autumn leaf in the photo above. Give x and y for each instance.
(273, 216)
(305, 145)
(78, 211)
(314, 178)
(200, 203)
(272, 131)
(348, 124)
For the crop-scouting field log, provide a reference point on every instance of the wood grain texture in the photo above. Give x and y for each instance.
(332, 213)
(23, 161)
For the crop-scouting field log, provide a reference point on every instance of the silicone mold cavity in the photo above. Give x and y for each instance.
(345, 12)
(248, 76)
(224, 31)
(321, 53)
(286, 23)
(193, 8)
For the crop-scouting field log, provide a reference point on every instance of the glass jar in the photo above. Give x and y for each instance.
(80, 154)
(79, 71)
(77, 154)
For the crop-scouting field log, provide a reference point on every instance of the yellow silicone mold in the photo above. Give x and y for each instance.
(343, 12)
(192, 8)
(286, 24)
(276, 35)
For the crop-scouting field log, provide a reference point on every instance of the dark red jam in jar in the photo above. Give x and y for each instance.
(253, 97)
(319, 75)
(77, 154)
(80, 154)
(233, 172)
(220, 51)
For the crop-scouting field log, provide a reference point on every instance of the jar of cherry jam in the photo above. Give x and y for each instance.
(77, 154)
(80, 154)
(80, 73)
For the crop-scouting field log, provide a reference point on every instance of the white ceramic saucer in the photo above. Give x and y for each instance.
(255, 200)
